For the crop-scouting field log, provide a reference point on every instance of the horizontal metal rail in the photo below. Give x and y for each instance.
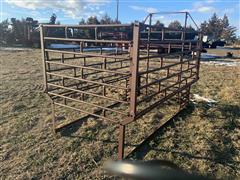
(166, 54)
(70, 124)
(109, 62)
(86, 54)
(85, 26)
(171, 29)
(149, 108)
(88, 40)
(92, 94)
(168, 41)
(167, 30)
(168, 77)
(166, 88)
(88, 68)
(86, 80)
(91, 104)
(86, 112)
(166, 67)
(88, 87)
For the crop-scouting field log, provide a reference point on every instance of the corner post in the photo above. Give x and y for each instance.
(134, 84)
(121, 140)
(43, 57)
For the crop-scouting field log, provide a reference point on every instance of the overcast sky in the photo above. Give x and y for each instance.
(71, 11)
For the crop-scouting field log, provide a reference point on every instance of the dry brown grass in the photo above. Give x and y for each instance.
(204, 140)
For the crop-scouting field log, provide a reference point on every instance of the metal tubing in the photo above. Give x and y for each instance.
(134, 69)
(163, 90)
(91, 104)
(88, 93)
(86, 54)
(43, 59)
(85, 80)
(89, 68)
(53, 116)
(87, 40)
(121, 140)
(165, 77)
(165, 55)
(148, 49)
(85, 26)
(86, 112)
(165, 67)
(149, 108)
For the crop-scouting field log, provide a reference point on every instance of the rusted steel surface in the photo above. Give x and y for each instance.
(132, 65)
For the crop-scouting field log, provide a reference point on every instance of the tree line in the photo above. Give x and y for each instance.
(219, 28)
(26, 31)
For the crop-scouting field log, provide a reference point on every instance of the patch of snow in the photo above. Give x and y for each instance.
(222, 63)
(63, 46)
(15, 49)
(206, 56)
(197, 97)
(213, 59)
(77, 47)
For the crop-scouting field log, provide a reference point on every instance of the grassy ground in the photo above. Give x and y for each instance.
(204, 140)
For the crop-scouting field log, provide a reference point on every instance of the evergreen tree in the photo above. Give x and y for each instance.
(158, 25)
(106, 20)
(175, 25)
(215, 26)
(225, 21)
(218, 28)
(53, 19)
(81, 22)
(5, 33)
(204, 28)
(92, 20)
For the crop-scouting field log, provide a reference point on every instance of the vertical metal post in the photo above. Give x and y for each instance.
(161, 61)
(104, 63)
(163, 32)
(169, 48)
(74, 72)
(184, 31)
(95, 33)
(134, 69)
(117, 9)
(101, 51)
(148, 49)
(53, 116)
(81, 47)
(48, 64)
(66, 35)
(179, 81)
(74, 55)
(43, 58)
(126, 91)
(121, 139)
(199, 49)
(62, 58)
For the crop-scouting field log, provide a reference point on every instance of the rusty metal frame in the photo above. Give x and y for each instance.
(70, 80)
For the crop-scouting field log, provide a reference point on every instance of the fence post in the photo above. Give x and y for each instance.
(199, 50)
(121, 139)
(134, 84)
(43, 57)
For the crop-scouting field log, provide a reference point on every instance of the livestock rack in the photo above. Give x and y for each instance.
(119, 72)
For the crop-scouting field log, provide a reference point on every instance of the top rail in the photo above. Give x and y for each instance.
(87, 40)
(168, 12)
(85, 26)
